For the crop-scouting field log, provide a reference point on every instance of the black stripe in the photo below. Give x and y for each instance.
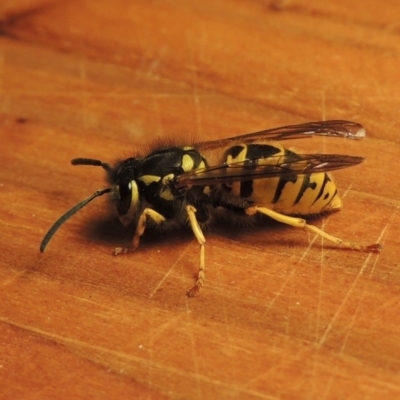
(326, 180)
(281, 185)
(305, 185)
(234, 151)
(330, 201)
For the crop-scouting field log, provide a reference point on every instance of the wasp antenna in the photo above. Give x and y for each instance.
(86, 161)
(91, 161)
(68, 215)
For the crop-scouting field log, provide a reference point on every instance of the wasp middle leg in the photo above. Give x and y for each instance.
(194, 224)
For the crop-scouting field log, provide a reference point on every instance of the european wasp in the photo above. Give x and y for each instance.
(240, 177)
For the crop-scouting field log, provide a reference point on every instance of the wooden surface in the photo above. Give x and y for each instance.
(282, 315)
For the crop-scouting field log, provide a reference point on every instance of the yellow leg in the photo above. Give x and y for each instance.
(301, 223)
(140, 228)
(191, 211)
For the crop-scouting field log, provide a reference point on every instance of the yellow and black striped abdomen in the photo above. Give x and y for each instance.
(288, 194)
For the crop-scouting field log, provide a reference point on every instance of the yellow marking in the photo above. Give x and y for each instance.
(264, 191)
(240, 157)
(167, 178)
(127, 219)
(187, 163)
(235, 186)
(307, 203)
(202, 164)
(166, 194)
(207, 191)
(272, 160)
(135, 195)
(186, 148)
(309, 199)
(148, 179)
(194, 224)
(336, 204)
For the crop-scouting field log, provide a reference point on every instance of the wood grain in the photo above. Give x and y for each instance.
(283, 315)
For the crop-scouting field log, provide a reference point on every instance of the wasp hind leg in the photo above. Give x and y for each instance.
(194, 224)
(301, 223)
(140, 228)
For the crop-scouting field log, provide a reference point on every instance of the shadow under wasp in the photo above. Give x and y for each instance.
(237, 178)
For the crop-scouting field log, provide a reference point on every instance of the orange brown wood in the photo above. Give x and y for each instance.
(283, 314)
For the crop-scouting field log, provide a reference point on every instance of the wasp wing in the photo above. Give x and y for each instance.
(334, 128)
(274, 166)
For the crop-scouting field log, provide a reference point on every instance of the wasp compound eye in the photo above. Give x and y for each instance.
(125, 198)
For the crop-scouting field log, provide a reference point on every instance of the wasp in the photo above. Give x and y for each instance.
(243, 177)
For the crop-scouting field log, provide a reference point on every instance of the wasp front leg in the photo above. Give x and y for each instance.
(140, 228)
(194, 224)
(302, 223)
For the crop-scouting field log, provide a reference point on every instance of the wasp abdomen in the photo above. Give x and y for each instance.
(290, 193)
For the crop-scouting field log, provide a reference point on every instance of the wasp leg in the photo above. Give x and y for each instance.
(140, 228)
(301, 223)
(194, 224)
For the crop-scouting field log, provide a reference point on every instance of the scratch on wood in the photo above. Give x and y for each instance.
(343, 303)
(167, 274)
